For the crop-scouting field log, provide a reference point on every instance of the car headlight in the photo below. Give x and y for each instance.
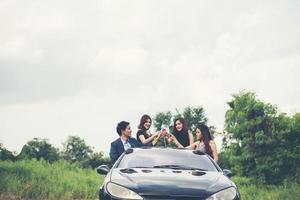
(227, 194)
(122, 192)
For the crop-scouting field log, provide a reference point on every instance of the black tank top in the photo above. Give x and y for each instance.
(183, 138)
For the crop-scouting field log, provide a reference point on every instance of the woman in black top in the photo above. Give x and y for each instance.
(143, 135)
(181, 133)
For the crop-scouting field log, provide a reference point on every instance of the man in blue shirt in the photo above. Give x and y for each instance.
(124, 142)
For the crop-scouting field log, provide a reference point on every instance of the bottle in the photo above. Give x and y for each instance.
(164, 129)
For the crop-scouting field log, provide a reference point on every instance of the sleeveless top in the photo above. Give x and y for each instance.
(183, 138)
(145, 134)
(201, 147)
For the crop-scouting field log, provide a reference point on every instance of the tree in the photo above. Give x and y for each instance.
(194, 116)
(293, 146)
(96, 159)
(76, 150)
(40, 149)
(264, 141)
(162, 118)
(6, 154)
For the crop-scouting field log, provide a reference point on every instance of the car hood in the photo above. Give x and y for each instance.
(170, 182)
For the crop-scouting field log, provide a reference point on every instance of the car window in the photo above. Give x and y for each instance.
(150, 158)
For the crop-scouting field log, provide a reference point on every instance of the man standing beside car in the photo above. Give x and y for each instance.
(124, 142)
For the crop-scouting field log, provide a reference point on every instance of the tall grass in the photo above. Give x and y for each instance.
(31, 179)
(250, 191)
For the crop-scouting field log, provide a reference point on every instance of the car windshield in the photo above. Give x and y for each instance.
(167, 158)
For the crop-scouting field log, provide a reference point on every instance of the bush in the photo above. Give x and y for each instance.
(264, 143)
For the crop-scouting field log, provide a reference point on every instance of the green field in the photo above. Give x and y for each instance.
(61, 180)
(251, 191)
(41, 180)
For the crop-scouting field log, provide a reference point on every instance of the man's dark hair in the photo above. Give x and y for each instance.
(121, 126)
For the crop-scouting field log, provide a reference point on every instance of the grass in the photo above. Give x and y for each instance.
(251, 191)
(31, 179)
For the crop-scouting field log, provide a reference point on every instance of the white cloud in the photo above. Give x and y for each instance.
(120, 59)
(73, 68)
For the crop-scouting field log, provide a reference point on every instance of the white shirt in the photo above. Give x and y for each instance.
(126, 144)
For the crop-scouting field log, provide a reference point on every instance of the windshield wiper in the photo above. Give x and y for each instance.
(183, 167)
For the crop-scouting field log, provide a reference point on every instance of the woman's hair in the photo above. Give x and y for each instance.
(206, 137)
(184, 125)
(143, 120)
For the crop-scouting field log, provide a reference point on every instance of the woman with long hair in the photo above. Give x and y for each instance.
(143, 135)
(205, 142)
(183, 138)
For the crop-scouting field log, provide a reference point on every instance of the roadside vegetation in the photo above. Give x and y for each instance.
(32, 179)
(261, 146)
(251, 190)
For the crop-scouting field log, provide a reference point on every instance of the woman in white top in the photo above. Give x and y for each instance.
(205, 142)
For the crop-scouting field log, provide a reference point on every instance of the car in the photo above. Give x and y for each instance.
(166, 174)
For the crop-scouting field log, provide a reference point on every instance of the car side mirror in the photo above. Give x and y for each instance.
(227, 173)
(103, 169)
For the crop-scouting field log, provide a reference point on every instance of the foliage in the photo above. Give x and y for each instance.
(6, 154)
(266, 143)
(192, 115)
(162, 118)
(77, 151)
(39, 149)
(249, 190)
(95, 160)
(32, 179)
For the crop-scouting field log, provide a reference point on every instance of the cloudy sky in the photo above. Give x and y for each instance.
(78, 67)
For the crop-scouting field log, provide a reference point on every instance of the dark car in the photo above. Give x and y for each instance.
(166, 174)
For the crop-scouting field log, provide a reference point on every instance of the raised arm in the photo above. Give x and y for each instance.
(192, 146)
(155, 140)
(191, 138)
(146, 141)
(173, 138)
